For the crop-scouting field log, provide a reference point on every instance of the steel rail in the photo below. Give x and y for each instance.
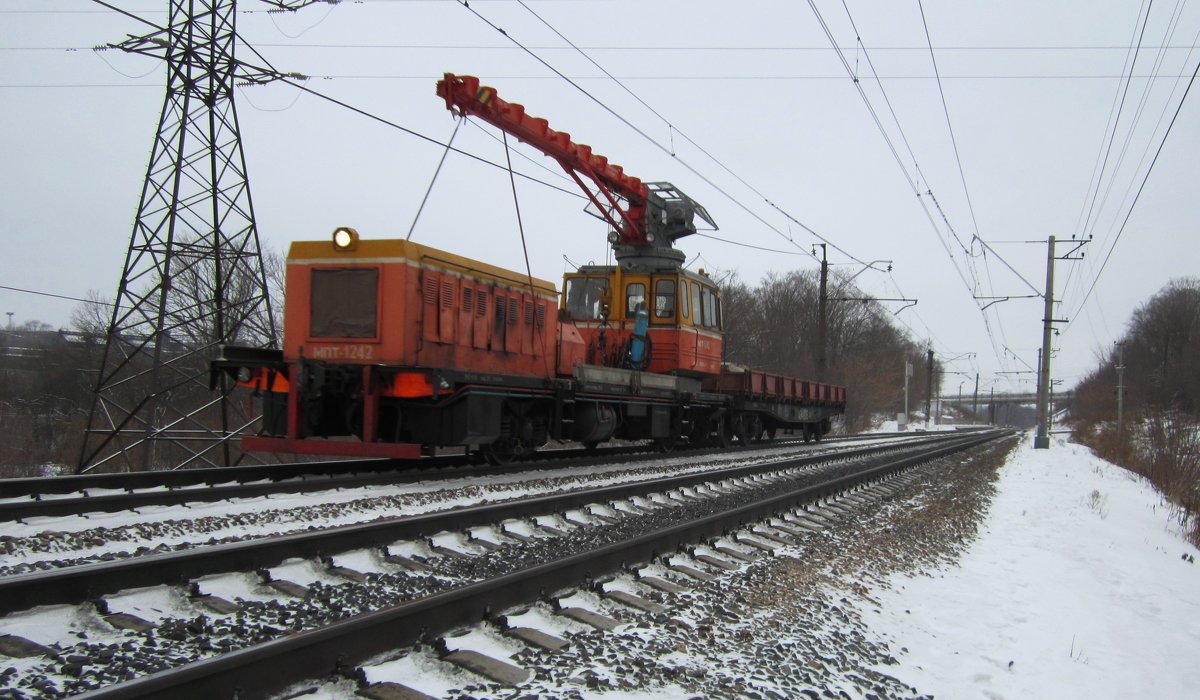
(90, 581)
(268, 668)
(209, 485)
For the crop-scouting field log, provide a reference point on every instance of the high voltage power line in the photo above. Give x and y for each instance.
(917, 178)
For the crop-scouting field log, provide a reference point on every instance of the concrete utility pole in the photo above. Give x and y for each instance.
(1120, 388)
(975, 402)
(1042, 440)
(929, 390)
(822, 314)
(908, 370)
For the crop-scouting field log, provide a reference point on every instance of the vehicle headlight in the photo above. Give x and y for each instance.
(345, 238)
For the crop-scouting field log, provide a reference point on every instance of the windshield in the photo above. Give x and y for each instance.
(583, 297)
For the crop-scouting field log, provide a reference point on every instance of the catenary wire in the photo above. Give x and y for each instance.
(651, 139)
(1141, 188)
(949, 124)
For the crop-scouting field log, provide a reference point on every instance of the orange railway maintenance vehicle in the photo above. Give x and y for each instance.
(394, 349)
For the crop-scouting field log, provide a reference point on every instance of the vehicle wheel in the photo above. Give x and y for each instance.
(590, 445)
(496, 454)
(666, 444)
(506, 451)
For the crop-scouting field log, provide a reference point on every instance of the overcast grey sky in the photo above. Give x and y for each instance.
(1030, 88)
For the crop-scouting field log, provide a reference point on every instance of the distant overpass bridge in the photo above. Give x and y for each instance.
(1001, 408)
(1061, 400)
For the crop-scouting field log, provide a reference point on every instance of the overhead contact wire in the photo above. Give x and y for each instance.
(675, 130)
(1142, 187)
(656, 142)
(946, 110)
(294, 82)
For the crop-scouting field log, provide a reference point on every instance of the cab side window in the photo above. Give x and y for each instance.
(683, 298)
(664, 299)
(585, 297)
(712, 308)
(697, 309)
(635, 298)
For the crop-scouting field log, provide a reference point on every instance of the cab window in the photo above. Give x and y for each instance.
(344, 303)
(697, 310)
(664, 299)
(683, 298)
(584, 295)
(635, 298)
(712, 308)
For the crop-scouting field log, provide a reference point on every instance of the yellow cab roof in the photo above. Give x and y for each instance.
(395, 250)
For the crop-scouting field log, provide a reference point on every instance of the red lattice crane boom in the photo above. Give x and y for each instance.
(654, 214)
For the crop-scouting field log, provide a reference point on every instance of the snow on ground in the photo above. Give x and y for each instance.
(1076, 588)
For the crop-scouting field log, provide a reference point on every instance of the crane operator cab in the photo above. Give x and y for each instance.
(647, 312)
(665, 321)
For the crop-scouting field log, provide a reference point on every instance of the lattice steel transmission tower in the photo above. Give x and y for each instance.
(193, 277)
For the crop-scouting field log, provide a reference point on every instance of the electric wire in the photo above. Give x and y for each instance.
(533, 325)
(1116, 121)
(437, 171)
(788, 48)
(1117, 168)
(750, 246)
(674, 130)
(56, 296)
(600, 103)
(949, 124)
(921, 177)
(911, 180)
(1146, 152)
(1172, 26)
(1141, 188)
(1093, 181)
(358, 110)
(1134, 122)
(296, 83)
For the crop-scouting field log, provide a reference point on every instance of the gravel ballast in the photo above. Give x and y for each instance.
(779, 626)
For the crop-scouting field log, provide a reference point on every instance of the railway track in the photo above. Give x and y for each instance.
(669, 513)
(92, 493)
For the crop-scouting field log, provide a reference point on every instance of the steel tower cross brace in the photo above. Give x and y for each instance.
(193, 277)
